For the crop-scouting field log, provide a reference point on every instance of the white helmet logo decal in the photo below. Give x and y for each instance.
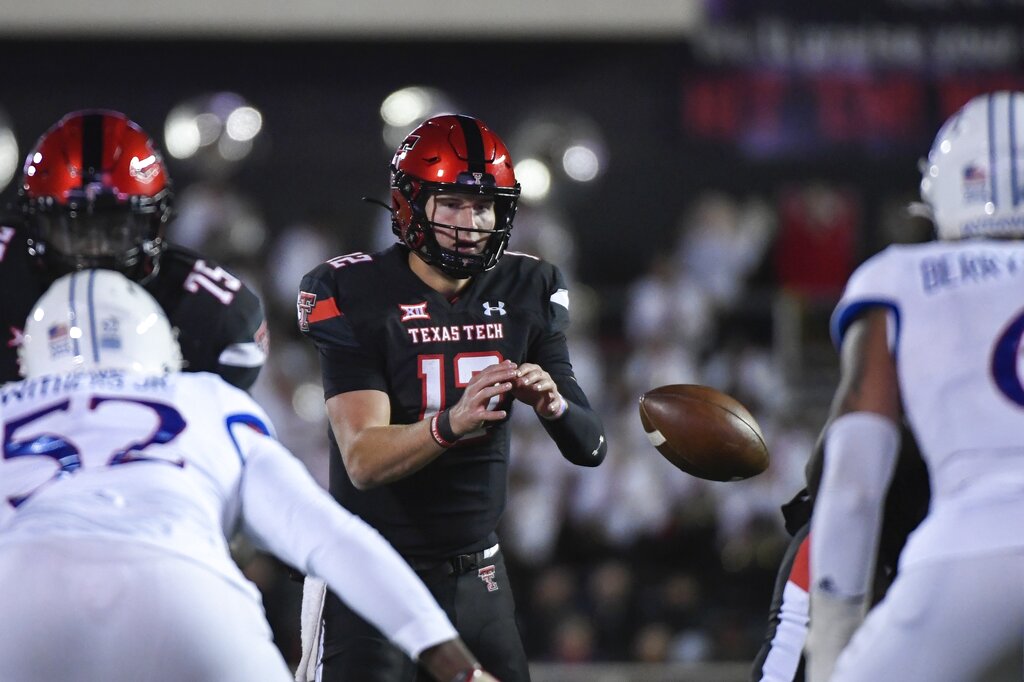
(144, 170)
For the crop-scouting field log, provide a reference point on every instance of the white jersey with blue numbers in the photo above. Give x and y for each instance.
(178, 463)
(956, 324)
(151, 459)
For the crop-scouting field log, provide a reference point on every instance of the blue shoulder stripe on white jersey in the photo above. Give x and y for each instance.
(250, 420)
(846, 315)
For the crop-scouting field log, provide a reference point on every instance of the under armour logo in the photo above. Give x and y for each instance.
(494, 309)
(487, 575)
(478, 177)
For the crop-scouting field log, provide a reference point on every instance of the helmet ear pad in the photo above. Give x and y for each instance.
(406, 215)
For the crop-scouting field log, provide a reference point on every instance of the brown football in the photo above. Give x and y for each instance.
(704, 432)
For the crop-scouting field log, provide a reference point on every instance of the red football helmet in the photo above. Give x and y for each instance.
(452, 154)
(96, 194)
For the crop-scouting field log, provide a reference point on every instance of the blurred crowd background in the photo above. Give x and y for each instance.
(706, 190)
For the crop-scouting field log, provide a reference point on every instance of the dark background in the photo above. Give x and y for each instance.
(675, 122)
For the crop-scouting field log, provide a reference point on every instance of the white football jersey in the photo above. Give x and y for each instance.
(180, 462)
(153, 459)
(109, 453)
(955, 329)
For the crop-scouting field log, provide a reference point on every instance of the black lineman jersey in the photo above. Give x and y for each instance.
(219, 320)
(378, 326)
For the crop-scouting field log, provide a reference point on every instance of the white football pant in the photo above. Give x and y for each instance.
(954, 620)
(95, 611)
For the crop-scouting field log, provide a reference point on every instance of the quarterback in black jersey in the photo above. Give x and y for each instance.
(424, 349)
(95, 194)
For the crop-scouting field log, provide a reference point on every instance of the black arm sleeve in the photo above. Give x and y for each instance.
(579, 432)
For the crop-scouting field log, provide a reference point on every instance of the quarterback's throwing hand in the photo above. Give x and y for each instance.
(536, 388)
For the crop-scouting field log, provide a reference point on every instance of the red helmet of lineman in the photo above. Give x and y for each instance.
(452, 155)
(96, 194)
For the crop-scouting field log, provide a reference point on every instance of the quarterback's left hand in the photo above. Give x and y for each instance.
(536, 388)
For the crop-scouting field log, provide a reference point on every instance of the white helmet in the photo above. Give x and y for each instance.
(974, 179)
(93, 319)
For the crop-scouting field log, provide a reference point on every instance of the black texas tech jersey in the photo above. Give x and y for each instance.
(378, 326)
(219, 320)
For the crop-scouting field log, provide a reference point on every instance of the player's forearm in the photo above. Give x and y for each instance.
(833, 622)
(449, 660)
(286, 512)
(384, 454)
(860, 453)
(860, 456)
(579, 435)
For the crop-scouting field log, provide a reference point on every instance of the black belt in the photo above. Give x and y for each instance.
(457, 565)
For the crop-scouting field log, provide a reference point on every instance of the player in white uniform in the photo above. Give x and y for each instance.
(933, 331)
(121, 479)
